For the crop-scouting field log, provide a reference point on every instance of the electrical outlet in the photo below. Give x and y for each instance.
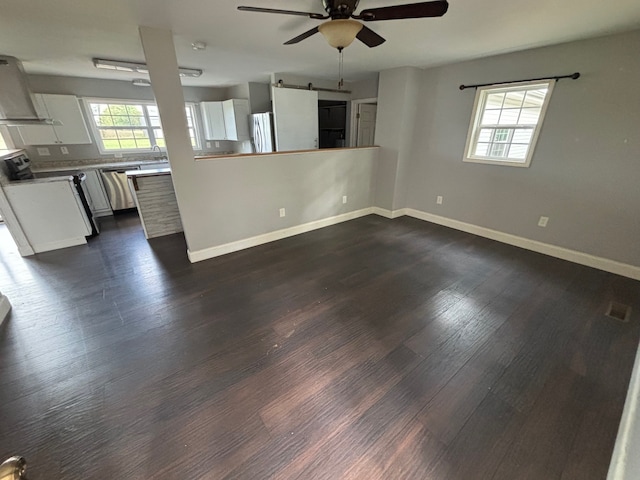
(64, 150)
(344, 199)
(439, 199)
(543, 221)
(283, 212)
(208, 144)
(43, 151)
(217, 144)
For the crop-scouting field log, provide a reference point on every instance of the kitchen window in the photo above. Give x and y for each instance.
(5, 139)
(126, 126)
(506, 122)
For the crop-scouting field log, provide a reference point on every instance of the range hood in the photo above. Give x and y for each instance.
(16, 103)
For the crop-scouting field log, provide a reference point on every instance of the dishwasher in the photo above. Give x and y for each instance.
(117, 187)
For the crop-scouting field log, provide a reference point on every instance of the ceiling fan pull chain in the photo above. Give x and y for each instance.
(340, 68)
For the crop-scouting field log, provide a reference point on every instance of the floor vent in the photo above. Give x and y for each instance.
(619, 312)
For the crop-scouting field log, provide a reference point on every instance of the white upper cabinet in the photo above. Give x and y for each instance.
(295, 113)
(63, 108)
(228, 120)
(213, 119)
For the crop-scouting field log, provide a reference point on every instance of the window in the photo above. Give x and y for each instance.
(126, 126)
(5, 139)
(506, 122)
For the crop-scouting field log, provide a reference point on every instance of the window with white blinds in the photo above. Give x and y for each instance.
(506, 123)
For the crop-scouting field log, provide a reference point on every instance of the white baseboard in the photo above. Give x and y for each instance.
(5, 306)
(67, 242)
(216, 251)
(383, 212)
(574, 256)
(625, 461)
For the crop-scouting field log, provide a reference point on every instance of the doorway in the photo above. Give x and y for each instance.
(363, 122)
(332, 123)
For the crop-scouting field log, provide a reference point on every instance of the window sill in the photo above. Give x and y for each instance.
(504, 163)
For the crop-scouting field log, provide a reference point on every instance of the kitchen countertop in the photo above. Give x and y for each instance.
(150, 172)
(21, 183)
(83, 166)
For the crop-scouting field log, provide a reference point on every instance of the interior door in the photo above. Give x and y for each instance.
(366, 124)
(295, 114)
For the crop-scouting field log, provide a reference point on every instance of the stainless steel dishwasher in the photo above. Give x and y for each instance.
(117, 187)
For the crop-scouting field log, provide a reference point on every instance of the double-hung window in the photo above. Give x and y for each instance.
(132, 126)
(506, 123)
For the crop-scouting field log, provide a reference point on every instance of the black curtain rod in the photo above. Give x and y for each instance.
(573, 76)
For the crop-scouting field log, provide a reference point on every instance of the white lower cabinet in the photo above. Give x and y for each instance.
(94, 188)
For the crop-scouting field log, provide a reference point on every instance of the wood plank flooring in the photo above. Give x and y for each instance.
(374, 349)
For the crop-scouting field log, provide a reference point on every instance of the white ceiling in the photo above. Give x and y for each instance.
(62, 36)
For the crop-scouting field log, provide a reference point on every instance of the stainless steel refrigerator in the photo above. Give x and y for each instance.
(262, 133)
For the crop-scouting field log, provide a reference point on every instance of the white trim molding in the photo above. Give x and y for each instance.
(625, 462)
(383, 212)
(218, 250)
(612, 266)
(5, 306)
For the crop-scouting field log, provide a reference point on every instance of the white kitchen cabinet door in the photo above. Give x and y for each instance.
(100, 205)
(65, 109)
(295, 114)
(213, 118)
(236, 119)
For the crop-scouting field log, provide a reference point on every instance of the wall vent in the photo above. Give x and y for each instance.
(619, 312)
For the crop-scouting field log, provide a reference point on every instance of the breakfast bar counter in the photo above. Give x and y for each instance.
(156, 201)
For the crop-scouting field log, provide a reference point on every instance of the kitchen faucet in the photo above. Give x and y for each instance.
(160, 157)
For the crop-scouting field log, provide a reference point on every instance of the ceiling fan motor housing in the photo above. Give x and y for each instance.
(340, 9)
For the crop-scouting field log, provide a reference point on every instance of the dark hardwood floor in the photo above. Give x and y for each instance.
(374, 349)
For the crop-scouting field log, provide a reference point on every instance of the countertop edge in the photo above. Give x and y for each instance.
(152, 172)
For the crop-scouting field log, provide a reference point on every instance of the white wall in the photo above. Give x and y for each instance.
(585, 172)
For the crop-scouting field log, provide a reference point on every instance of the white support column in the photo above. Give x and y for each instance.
(162, 62)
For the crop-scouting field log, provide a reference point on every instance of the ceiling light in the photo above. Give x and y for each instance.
(141, 82)
(121, 66)
(198, 45)
(340, 33)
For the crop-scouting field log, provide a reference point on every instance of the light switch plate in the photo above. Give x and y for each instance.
(64, 150)
(43, 151)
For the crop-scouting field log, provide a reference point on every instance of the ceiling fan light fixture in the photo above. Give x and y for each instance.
(340, 33)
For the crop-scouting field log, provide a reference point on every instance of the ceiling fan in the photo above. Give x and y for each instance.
(344, 26)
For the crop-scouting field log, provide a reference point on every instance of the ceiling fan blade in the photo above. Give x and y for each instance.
(369, 37)
(301, 37)
(317, 16)
(411, 10)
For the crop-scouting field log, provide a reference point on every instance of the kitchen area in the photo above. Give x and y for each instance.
(91, 148)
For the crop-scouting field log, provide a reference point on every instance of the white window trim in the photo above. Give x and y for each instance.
(4, 131)
(128, 101)
(478, 110)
